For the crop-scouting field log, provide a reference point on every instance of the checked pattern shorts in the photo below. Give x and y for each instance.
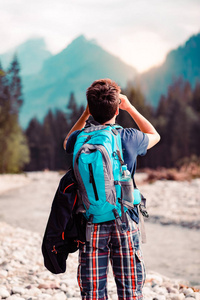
(123, 250)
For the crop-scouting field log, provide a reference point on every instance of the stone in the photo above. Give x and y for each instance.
(148, 293)
(189, 291)
(154, 284)
(3, 273)
(15, 297)
(33, 291)
(49, 285)
(4, 292)
(59, 296)
(159, 297)
(176, 286)
(176, 296)
(69, 293)
(18, 290)
(28, 287)
(76, 293)
(160, 290)
(155, 278)
(24, 277)
(197, 296)
(49, 291)
(181, 296)
(172, 290)
(44, 296)
(184, 290)
(63, 287)
(77, 298)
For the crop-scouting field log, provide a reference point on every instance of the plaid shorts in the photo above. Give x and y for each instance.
(123, 249)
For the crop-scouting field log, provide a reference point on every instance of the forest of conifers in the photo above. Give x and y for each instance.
(40, 145)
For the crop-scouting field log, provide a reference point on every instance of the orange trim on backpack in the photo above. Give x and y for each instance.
(63, 233)
(54, 250)
(79, 242)
(68, 187)
(74, 201)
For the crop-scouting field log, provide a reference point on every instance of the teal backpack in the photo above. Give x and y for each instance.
(97, 162)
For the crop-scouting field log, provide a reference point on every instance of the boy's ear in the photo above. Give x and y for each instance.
(117, 112)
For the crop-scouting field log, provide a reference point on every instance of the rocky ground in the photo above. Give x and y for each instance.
(23, 276)
(168, 201)
(173, 202)
(25, 202)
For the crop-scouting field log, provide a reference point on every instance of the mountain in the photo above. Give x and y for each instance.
(30, 54)
(182, 62)
(71, 70)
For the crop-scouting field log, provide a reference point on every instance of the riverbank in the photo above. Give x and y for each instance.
(168, 201)
(25, 202)
(23, 276)
(173, 202)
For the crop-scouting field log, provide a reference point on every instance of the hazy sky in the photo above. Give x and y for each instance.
(141, 32)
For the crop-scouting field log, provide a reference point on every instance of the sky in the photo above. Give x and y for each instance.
(140, 32)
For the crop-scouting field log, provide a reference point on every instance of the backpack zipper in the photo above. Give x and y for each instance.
(93, 182)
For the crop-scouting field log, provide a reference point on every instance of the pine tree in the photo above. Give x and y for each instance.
(13, 144)
(196, 98)
(46, 142)
(34, 137)
(15, 86)
(74, 111)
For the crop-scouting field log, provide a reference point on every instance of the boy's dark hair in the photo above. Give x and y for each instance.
(103, 99)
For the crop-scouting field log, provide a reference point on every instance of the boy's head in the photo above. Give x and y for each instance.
(103, 99)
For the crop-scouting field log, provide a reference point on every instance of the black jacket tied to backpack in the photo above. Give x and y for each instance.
(64, 229)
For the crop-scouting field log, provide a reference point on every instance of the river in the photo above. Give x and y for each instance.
(173, 251)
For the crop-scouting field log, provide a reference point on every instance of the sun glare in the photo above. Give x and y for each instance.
(143, 50)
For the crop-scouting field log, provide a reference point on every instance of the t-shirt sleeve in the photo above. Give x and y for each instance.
(135, 139)
(143, 142)
(71, 142)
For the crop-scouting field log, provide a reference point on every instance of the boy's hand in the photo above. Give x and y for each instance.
(87, 111)
(125, 104)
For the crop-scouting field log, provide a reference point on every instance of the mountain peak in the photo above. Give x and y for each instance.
(180, 62)
(71, 70)
(37, 43)
(31, 55)
(82, 40)
(79, 40)
(193, 40)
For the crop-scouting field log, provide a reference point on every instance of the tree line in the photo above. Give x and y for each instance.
(46, 139)
(40, 146)
(176, 118)
(14, 149)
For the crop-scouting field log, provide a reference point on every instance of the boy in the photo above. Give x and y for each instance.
(107, 242)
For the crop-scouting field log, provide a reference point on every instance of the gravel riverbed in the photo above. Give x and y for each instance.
(23, 276)
(25, 201)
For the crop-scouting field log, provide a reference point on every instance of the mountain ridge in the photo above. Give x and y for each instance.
(71, 70)
(183, 61)
(75, 67)
(25, 52)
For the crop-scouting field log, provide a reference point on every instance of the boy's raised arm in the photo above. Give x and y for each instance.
(78, 125)
(143, 124)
